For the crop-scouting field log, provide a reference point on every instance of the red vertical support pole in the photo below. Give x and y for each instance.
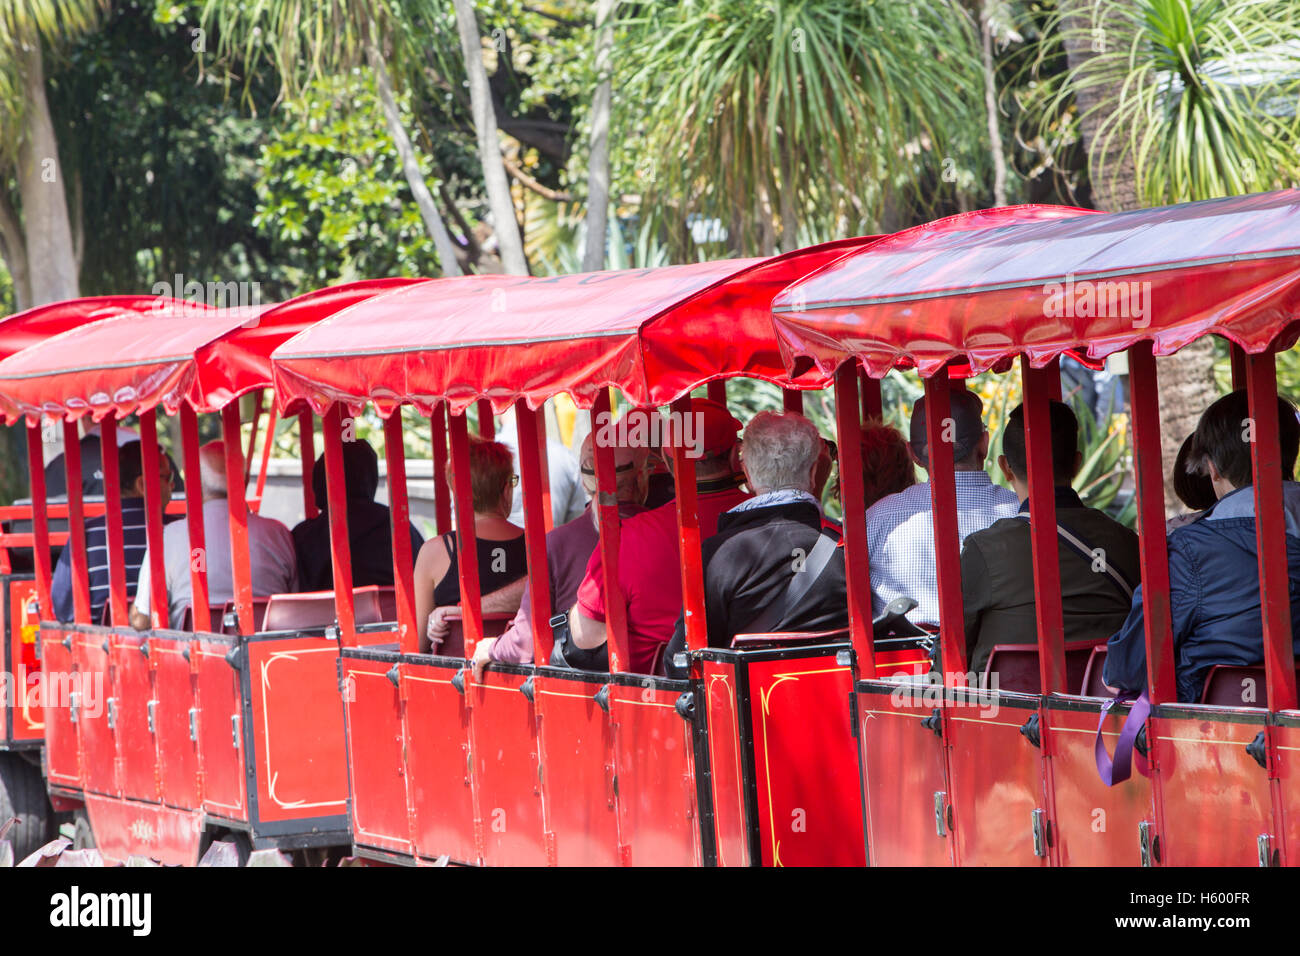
(1270, 532)
(252, 437)
(332, 426)
(113, 533)
(487, 426)
(1038, 384)
(717, 391)
(237, 509)
(76, 524)
(606, 502)
(947, 534)
(441, 493)
(471, 601)
(307, 449)
(40, 521)
(873, 406)
(688, 529)
(151, 464)
(194, 520)
(1237, 358)
(536, 509)
(543, 458)
(792, 400)
(857, 562)
(268, 443)
(399, 508)
(1051, 374)
(1153, 549)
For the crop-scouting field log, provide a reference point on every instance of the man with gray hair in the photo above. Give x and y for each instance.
(772, 567)
(272, 558)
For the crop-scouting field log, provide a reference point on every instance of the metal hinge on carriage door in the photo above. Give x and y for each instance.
(942, 813)
(1042, 832)
(1148, 843)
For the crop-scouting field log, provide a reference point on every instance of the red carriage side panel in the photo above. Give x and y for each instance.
(996, 778)
(26, 722)
(578, 770)
(503, 728)
(135, 716)
(1216, 798)
(438, 771)
(97, 699)
(126, 828)
(376, 754)
(1286, 749)
(176, 721)
(805, 764)
(62, 741)
(296, 729)
(1095, 825)
(726, 772)
(221, 738)
(655, 762)
(904, 777)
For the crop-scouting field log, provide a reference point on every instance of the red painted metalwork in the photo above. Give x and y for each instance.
(40, 520)
(400, 510)
(194, 519)
(606, 506)
(333, 426)
(170, 836)
(534, 479)
(1052, 373)
(792, 400)
(176, 721)
(717, 391)
(237, 508)
(857, 566)
(113, 518)
(1237, 360)
(1042, 530)
(471, 603)
(134, 717)
(373, 707)
(62, 740)
(688, 533)
(438, 763)
(307, 460)
(152, 464)
(26, 717)
(872, 404)
(76, 520)
(1153, 550)
(947, 536)
(441, 492)
(543, 463)
(256, 423)
(220, 730)
(486, 422)
(273, 417)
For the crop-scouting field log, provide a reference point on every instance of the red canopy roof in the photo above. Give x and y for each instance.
(653, 333)
(1066, 281)
(164, 352)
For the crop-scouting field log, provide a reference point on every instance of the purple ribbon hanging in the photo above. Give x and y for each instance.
(1118, 770)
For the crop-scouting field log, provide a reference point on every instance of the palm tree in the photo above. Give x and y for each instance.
(1182, 100)
(304, 38)
(796, 120)
(36, 235)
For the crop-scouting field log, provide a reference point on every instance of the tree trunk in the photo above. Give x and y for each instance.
(1186, 379)
(51, 257)
(991, 109)
(593, 255)
(410, 166)
(510, 243)
(13, 247)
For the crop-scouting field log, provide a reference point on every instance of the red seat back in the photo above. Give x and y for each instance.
(454, 645)
(1017, 666)
(311, 611)
(789, 639)
(230, 623)
(1093, 685)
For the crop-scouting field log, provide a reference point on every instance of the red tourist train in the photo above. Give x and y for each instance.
(312, 720)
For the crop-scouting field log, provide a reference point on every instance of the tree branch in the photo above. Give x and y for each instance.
(546, 192)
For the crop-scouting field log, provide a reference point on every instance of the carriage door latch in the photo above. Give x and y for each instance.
(1148, 843)
(942, 813)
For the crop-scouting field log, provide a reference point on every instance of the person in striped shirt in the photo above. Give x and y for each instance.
(131, 474)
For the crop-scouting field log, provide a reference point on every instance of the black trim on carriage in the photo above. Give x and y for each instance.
(1217, 714)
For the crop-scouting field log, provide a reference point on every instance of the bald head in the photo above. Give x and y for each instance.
(212, 469)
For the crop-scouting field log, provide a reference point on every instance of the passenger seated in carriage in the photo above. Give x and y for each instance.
(370, 530)
(650, 585)
(568, 549)
(772, 567)
(502, 557)
(272, 560)
(887, 466)
(1098, 555)
(1213, 561)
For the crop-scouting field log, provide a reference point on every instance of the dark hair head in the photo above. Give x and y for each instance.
(1225, 432)
(886, 464)
(1193, 488)
(1065, 442)
(130, 465)
(360, 473)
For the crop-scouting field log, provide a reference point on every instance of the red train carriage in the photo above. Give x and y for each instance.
(166, 735)
(945, 783)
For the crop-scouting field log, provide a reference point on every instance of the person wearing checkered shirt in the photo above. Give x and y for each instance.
(900, 527)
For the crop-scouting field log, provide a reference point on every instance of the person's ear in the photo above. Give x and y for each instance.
(1005, 468)
(138, 486)
(1213, 472)
(1078, 464)
(983, 445)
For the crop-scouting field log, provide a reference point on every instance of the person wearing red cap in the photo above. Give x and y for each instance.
(650, 586)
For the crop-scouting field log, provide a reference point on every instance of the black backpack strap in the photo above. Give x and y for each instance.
(1086, 550)
(801, 582)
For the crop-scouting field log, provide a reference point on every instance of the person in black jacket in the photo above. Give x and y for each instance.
(772, 567)
(370, 536)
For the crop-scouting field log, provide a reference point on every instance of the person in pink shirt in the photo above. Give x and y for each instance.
(650, 583)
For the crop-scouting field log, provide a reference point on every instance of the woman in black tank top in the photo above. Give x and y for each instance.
(500, 544)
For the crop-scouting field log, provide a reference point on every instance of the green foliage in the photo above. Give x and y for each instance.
(331, 193)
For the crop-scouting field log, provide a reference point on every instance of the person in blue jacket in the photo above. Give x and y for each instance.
(1213, 565)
